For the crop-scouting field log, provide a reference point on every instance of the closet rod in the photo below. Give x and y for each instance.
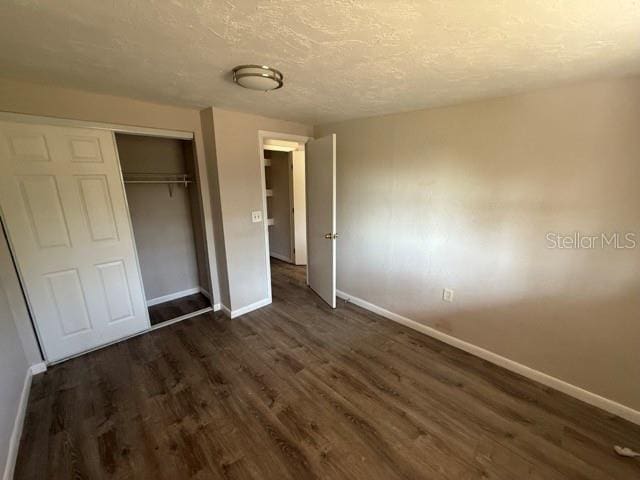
(184, 182)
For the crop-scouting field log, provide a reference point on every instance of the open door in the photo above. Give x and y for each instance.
(321, 217)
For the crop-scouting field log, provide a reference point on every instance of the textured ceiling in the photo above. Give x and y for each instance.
(341, 59)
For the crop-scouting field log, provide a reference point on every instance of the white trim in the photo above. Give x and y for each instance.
(283, 136)
(248, 308)
(277, 145)
(64, 122)
(18, 424)
(180, 318)
(205, 293)
(292, 227)
(217, 307)
(173, 296)
(335, 220)
(38, 368)
(263, 186)
(281, 257)
(262, 134)
(591, 398)
(226, 310)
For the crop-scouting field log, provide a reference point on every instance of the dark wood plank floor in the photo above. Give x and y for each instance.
(165, 311)
(298, 391)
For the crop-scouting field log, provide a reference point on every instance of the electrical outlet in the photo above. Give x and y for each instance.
(256, 216)
(447, 295)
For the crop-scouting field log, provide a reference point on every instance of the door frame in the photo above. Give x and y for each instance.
(292, 231)
(203, 195)
(262, 135)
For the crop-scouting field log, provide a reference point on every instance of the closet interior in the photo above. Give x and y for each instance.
(164, 205)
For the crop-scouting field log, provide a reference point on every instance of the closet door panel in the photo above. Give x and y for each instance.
(28, 147)
(42, 207)
(115, 287)
(85, 149)
(72, 314)
(97, 207)
(65, 211)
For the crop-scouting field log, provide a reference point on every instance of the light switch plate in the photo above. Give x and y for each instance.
(447, 295)
(256, 216)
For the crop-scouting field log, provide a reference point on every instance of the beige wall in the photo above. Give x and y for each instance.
(162, 224)
(280, 205)
(28, 98)
(462, 197)
(197, 218)
(209, 140)
(237, 149)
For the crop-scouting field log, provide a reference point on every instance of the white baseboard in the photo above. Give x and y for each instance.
(586, 396)
(246, 309)
(216, 306)
(172, 296)
(226, 310)
(38, 368)
(18, 424)
(279, 256)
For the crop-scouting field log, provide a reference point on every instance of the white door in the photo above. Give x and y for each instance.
(321, 217)
(64, 206)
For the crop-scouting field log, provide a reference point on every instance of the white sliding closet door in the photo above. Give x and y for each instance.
(65, 211)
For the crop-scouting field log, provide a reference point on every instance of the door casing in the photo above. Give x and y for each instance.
(262, 135)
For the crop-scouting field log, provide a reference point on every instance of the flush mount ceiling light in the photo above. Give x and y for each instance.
(257, 77)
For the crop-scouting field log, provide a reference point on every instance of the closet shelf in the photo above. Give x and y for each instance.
(167, 178)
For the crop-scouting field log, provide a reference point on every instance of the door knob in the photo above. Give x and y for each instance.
(331, 236)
